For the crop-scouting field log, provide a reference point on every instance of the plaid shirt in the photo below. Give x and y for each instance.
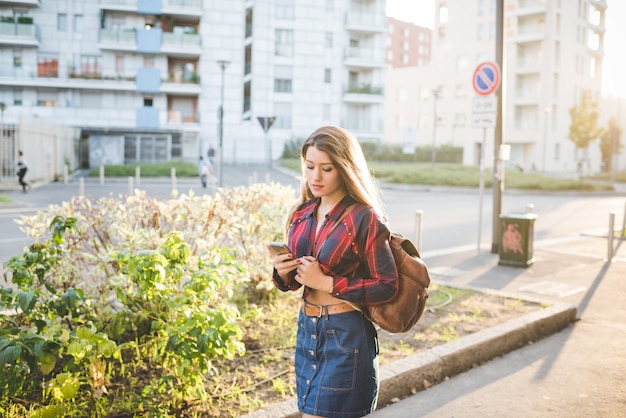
(356, 253)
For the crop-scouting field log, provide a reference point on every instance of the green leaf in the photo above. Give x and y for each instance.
(10, 354)
(26, 300)
(47, 362)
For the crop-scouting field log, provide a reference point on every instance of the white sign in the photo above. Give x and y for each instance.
(485, 105)
(483, 120)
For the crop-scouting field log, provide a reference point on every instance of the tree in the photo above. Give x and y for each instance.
(584, 128)
(610, 144)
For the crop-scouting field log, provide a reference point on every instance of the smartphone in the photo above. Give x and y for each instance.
(278, 248)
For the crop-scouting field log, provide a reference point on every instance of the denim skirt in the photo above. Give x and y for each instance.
(336, 365)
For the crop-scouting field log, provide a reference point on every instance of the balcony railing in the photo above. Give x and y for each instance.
(172, 39)
(19, 31)
(364, 89)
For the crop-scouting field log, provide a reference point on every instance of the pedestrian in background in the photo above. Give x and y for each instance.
(204, 170)
(336, 360)
(211, 154)
(22, 168)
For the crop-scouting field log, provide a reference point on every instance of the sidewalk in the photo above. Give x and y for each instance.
(577, 372)
(572, 360)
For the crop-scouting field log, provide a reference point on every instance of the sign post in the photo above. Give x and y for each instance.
(266, 123)
(486, 80)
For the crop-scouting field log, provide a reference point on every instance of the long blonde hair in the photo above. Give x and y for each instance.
(346, 154)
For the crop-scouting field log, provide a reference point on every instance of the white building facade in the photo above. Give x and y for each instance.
(553, 52)
(142, 78)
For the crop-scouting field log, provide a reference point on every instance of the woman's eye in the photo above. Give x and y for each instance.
(327, 170)
(308, 167)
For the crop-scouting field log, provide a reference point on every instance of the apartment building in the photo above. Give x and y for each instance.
(553, 51)
(408, 45)
(151, 80)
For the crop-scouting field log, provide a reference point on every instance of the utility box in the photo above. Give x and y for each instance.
(516, 239)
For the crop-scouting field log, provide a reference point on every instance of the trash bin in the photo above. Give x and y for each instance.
(516, 239)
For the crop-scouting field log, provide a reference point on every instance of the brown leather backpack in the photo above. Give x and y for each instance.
(401, 314)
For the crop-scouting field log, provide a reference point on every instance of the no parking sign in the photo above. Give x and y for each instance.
(486, 78)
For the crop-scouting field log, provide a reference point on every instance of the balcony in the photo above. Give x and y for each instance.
(20, 3)
(363, 127)
(366, 22)
(363, 93)
(118, 39)
(176, 8)
(529, 8)
(359, 57)
(181, 44)
(18, 33)
(600, 4)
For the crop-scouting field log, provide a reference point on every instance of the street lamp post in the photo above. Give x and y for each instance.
(223, 64)
(545, 138)
(432, 151)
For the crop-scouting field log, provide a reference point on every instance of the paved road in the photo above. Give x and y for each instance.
(449, 222)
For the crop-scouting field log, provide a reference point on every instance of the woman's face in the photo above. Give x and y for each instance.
(322, 176)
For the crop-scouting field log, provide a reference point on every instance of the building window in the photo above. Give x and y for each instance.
(61, 22)
(284, 43)
(282, 85)
(17, 59)
(247, 65)
(247, 97)
(78, 23)
(327, 75)
(148, 101)
(249, 16)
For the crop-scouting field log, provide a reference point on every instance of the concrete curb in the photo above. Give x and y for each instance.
(406, 376)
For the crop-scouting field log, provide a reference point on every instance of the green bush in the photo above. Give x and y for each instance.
(129, 305)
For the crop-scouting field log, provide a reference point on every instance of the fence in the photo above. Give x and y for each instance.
(47, 149)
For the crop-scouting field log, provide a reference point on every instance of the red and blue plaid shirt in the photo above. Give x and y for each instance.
(356, 253)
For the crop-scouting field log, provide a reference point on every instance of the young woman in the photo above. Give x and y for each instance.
(341, 265)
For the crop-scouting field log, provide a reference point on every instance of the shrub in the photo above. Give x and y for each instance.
(130, 301)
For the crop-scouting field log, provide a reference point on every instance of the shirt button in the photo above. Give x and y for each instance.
(314, 366)
(311, 352)
(314, 320)
(308, 382)
(313, 336)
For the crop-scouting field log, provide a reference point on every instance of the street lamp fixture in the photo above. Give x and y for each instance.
(223, 64)
(436, 95)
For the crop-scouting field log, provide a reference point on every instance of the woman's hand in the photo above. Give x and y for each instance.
(311, 275)
(284, 264)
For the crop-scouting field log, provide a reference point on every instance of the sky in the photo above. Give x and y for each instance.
(422, 13)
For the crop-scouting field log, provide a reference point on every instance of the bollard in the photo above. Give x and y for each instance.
(623, 234)
(81, 186)
(101, 174)
(419, 215)
(173, 175)
(609, 250)
(529, 208)
(130, 185)
(66, 174)
(137, 175)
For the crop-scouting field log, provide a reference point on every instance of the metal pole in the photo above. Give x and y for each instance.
(419, 216)
(497, 188)
(432, 151)
(223, 65)
(609, 252)
(481, 188)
